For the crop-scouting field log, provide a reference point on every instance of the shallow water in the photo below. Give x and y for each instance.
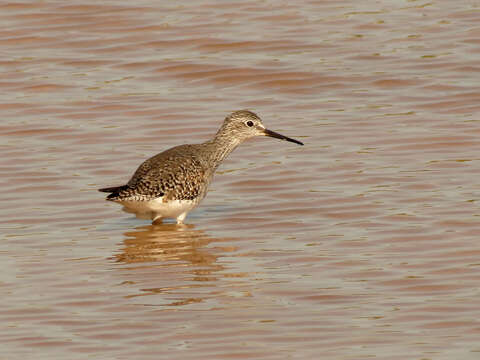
(361, 244)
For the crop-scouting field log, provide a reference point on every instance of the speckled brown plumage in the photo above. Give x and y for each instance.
(172, 183)
(178, 173)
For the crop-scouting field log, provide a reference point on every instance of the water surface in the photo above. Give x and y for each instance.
(361, 244)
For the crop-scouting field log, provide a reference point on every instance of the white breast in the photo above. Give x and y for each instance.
(156, 208)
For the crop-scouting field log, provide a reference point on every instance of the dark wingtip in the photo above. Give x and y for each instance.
(112, 189)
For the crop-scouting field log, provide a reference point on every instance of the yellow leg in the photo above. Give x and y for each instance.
(181, 217)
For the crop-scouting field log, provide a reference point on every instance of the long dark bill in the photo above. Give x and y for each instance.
(280, 136)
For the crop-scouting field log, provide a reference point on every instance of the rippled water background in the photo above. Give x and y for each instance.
(362, 244)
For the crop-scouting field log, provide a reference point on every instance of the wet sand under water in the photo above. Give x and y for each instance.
(362, 244)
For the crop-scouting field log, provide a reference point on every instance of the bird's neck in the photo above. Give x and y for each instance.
(220, 147)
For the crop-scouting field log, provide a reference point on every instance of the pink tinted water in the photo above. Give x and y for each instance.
(362, 244)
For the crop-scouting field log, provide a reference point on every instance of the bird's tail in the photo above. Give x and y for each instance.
(114, 191)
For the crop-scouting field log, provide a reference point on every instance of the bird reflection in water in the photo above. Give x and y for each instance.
(172, 260)
(168, 242)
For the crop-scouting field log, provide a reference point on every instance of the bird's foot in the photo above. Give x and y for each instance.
(157, 221)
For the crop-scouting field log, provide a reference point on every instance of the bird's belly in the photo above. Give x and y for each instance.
(157, 208)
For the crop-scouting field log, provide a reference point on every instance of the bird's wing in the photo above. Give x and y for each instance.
(175, 174)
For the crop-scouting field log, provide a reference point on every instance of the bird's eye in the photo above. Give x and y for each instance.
(249, 123)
